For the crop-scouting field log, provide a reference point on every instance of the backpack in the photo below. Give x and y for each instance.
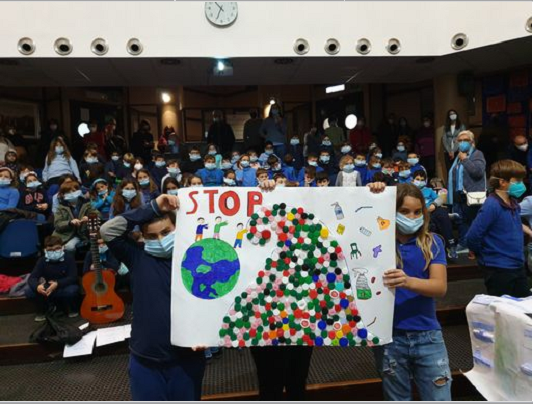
(57, 331)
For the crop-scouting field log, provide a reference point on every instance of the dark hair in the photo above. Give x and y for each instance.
(269, 143)
(272, 160)
(448, 122)
(169, 180)
(119, 204)
(173, 161)
(194, 148)
(420, 173)
(310, 171)
(387, 161)
(279, 175)
(253, 113)
(218, 217)
(52, 151)
(153, 186)
(260, 171)
(312, 155)
(378, 177)
(322, 176)
(228, 172)
(50, 241)
(167, 215)
(505, 170)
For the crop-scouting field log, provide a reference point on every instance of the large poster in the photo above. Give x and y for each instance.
(294, 266)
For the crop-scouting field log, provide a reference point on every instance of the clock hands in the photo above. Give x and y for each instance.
(220, 9)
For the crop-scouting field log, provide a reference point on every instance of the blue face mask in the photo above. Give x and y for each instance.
(54, 255)
(253, 159)
(516, 189)
(226, 166)
(171, 142)
(33, 184)
(387, 171)
(312, 163)
(103, 249)
(295, 142)
(60, 149)
(72, 196)
(269, 151)
(127, 165)
(91, 160)
(379, 155)
(413, 161)
(172, 192)
(160, 248)
(173, 170)
(324, 159)
(210, 166)
(144, 182)
(229, 182)
(419, 184)
(115, 158)
(401, 148)
(405, 173)
(103, 192)
(129, 194)
(407, 225)
(245, 163)
(348, 168)
(160, 164)
(194, 157)
(326, 143)
(464, 146)
(360, 163)
(234, 159)
(376, 165)
(5, 182)
(346, 149)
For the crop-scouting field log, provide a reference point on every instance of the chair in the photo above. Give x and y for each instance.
(19, 239)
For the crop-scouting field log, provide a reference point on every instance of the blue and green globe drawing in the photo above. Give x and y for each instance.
(210, 268)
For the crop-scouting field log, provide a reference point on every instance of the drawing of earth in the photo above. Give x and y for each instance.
(210, 268)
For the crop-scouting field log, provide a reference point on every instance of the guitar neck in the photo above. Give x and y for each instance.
(95, 253)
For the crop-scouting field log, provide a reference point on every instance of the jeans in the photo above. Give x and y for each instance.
(467, 215)
(67, 296)
(181, 381)
(420, 355)
(440, 223)
(504, 281)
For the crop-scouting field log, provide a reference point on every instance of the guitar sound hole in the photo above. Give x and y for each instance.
(100, 287)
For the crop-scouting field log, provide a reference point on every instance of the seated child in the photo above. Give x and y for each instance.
(88, 167)
(194, 161)
(322, 179)
(374, 166)
(34, 198)
(102, 197)
(361, 165)
(269, 151)
(295, 149)
(309, 177)
(404, 175)
(280, 180)
(261, 175)
(348, 176)
(211, 175)
(54, 280)
(212, 150)
(273, 165)
(159, 169)
(127, 197)
(400, 153)
(388, 172)
(170, 186)
(413, 160)
(346, 149)
(173, 170)
(289, 168)
(193, 181)
(254, 159)
(229, 179)
(11, 161)
(9, 194)
(245, 175)
(149, 190)
(327, 162)
(112, 167)
(235, 157)
(124, 168)
(225, 164)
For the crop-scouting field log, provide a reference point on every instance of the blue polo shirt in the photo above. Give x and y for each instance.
(211, 178)
(412, 311)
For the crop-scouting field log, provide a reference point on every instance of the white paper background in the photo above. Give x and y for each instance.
(196, 321)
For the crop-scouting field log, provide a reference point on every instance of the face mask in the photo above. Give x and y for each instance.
(229, 181)
(212, 152)
(160, 164)
(172, 192)
(245, 163)
(253, 159)
(407, 225)
(173, 171)
(376, 165)
(103, 249)
(360, 163)
(372, 146)
(269, 151)
(72, 196)
(324, 159)
(379, 155)
(346, 149)
(127, 165)
(280, 185)
(326, 143)
(427, 124)
(196, 185)
(54, 255)
(210, 166)
(144, 182)
(276, 168)
(413, 161)
(33, 184)
(160, 248)
(464, 146)
(453, 117)
(194, 157)
(171, 142)
(234, 159)
(348, 168)
(59, 149)
(312, 163)
(103, 192)
(92, 129)
(91, 160)
(405, 173)
(53, 127)
(227, 166)
(115, 158)
(419, 184)
(22, 178)
(138, 166)
(295, 142)
(4, 182)
(516, 189)
(401, 148)
(387, 171)
(129, 194)
(522, 147)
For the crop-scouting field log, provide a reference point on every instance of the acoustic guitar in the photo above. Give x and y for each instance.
(101, 304)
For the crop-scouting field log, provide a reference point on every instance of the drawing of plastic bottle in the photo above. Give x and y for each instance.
(338, 211)
(361, 285)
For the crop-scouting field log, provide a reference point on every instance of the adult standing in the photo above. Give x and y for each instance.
(252, 132)
(452, 128)
(493, 140)
(519, 149)
(142, 142)
(335, 133)
(467, 174)
(95, 136)
(311, 141)
(220, 133)
(113, 142)
(405, 133)
(274, 129)
(360, 137)
(388, 135)
(425, 145)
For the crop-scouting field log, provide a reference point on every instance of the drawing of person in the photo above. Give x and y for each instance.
(200, 228)
(240, 234)
(218, 224)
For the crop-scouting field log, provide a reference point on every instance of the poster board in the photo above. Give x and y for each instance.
(292, 266)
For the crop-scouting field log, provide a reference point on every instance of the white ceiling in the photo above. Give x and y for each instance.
(258, 71)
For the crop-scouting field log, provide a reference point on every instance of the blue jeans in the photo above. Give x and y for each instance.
(420, 355)
(178, 382)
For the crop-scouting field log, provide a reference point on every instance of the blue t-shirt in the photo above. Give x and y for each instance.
(430, 196)
(246, 177)
(211, 178)
(414, 312)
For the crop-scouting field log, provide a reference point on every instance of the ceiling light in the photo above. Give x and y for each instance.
(83, 129)
(220, 65)
(272, 100)
(325, 125)
(335, 89)
(350, 121)
(165, 97)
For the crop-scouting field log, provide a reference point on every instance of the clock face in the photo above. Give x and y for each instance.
(221, 13)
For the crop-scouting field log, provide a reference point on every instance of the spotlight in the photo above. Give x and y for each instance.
(99, 46)
(62, 46)
(335, 89)
(165, 97)
(134, 47)
(325, 124)
(394, 46)
(83, 129)
(459, 41)
(220, 65)
(301, 46)
(272, 100)
(223, 68)
(350, 121)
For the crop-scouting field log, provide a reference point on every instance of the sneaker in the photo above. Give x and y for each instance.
(208, 354)
(454, 216)
(452, 253)
(471, 255)
(460, 249)
(39, 318)
(73, 314)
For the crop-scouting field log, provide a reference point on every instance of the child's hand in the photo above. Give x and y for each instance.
(51, 288)
(432, 208)
(84, 219)
(199, 348)
(75, 222)
(41, 289)
(377, 187)
(267, 185)
(167, 203)
(395, 278)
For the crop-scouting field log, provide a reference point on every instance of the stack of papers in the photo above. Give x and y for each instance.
(102, 336)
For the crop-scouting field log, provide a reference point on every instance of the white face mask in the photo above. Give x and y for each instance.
(522, 147)
(453, 117)
(138, 166)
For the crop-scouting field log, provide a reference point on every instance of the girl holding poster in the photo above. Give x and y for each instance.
(418, 349)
